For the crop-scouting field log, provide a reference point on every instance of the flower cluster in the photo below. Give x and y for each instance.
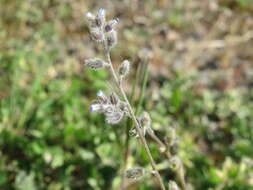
(100, 29)
(145, 123)
(113, 108)
(104, 31)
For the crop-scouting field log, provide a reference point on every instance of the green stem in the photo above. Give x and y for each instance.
(143, 88)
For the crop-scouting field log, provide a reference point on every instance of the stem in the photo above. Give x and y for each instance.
(143, 140)
(143, 87)
(164, 150)
(127, 128)
(140, 132)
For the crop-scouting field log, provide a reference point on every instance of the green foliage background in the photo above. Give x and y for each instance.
(50, 140)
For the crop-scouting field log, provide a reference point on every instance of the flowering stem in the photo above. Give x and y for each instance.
(132, 115)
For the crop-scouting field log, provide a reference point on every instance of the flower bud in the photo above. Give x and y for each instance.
(114, 117)
(134, 173)
(100, 18)
(145, 119)
(145, 122)
(91, 20)
(124, 68)
(95, 63)
(133, 133)
(123, 106)
(175, 163)
(96, 34)
(110, 25)
(113, 98)
(173, 185)
(112, 39)
(174, 147)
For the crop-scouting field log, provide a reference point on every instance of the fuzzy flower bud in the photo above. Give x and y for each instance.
(95, 63)
(96, 34)
(175, 163)
(114, 117)
(124, 68)
(114, 98)
(100, 18)
(91, 20)
(134, 173)
(110, 25)
(175, 147)
(173, 185)
(145, 122)
(112, 39)
(145, 119)
(133, 133)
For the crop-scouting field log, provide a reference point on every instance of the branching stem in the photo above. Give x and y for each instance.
(132, 115)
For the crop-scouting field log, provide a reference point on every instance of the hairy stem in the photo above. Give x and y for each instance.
(138, 127)
(127, 128)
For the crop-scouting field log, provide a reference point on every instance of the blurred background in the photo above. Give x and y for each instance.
(192, 66)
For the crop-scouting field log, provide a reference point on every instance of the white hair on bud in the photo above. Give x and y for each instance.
(100, 18)
(95, 63)
(110, 25)
(124, 68)
(101, 12)
(112, 39)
